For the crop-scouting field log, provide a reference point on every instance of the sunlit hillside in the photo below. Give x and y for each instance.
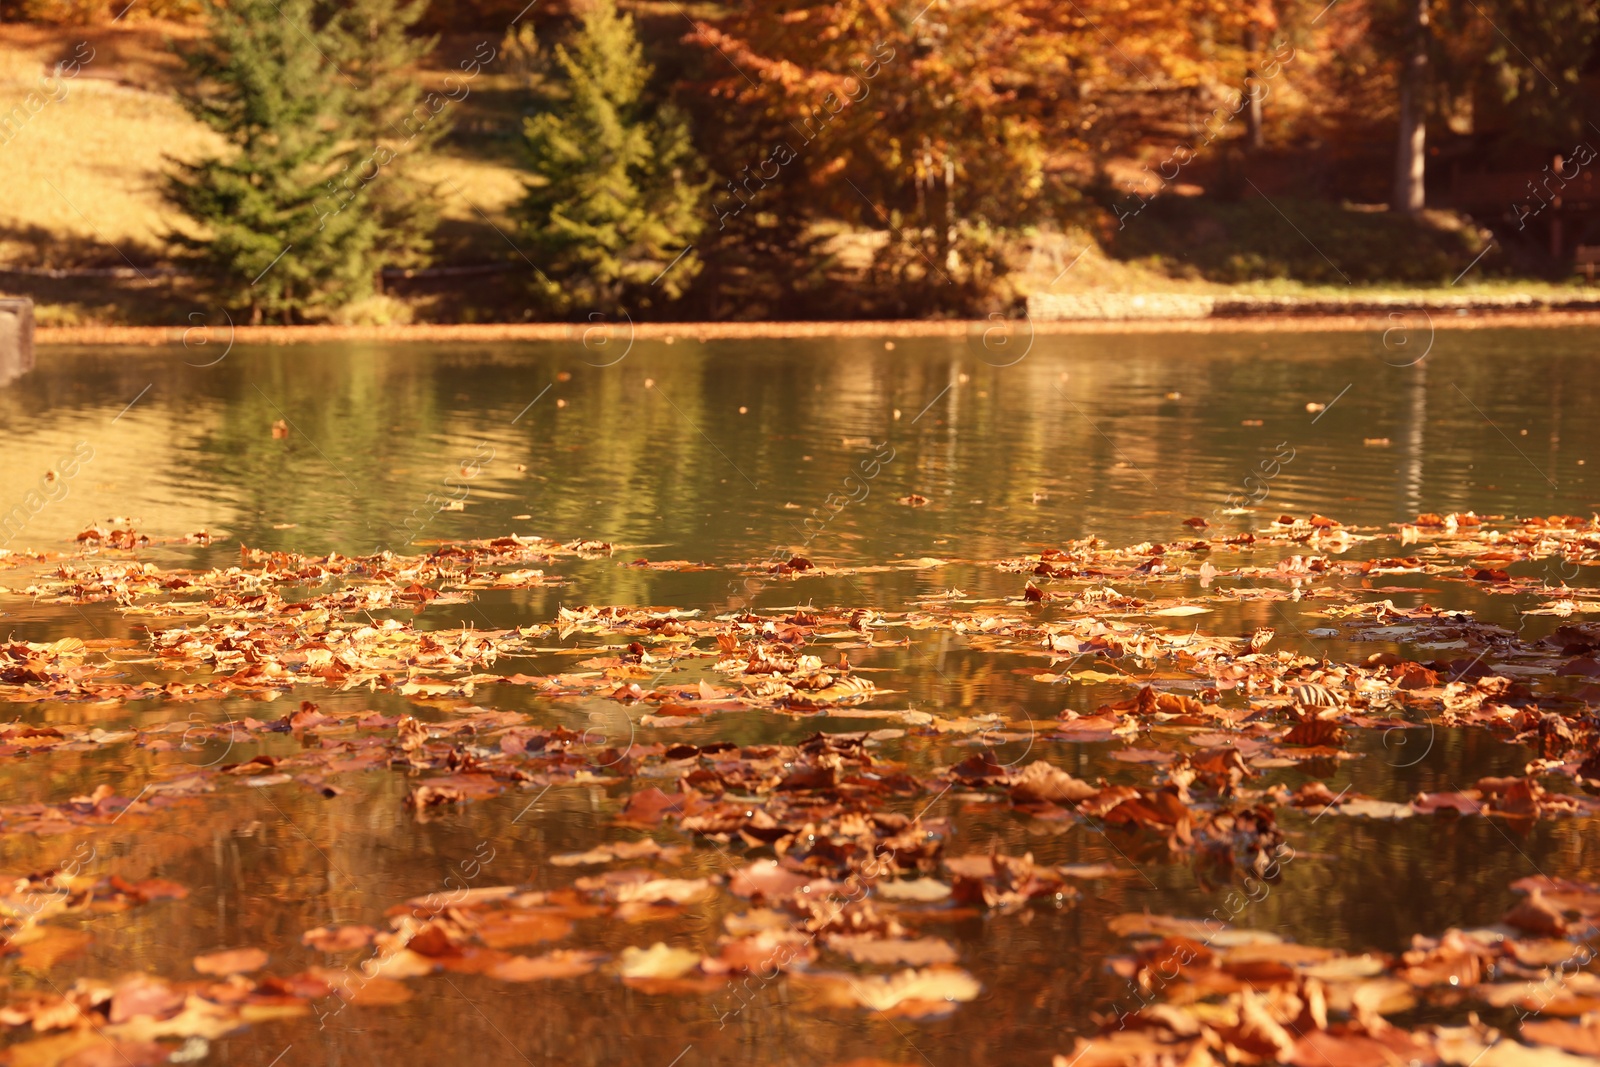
(86, 155)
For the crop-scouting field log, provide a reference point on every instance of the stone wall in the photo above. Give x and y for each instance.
(1050, 307)
(16, 338)
(1123, 307)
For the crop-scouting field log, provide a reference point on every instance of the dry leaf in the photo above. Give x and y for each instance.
(231, 961)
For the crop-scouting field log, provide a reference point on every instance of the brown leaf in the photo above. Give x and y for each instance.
(431, 796)
(150, 889)
(513, 928)
(307, 717)
(1319, 1048)
(650, 806)
(665, 891)
(765, 950)
(1314, 734)
(395, 962)
(338, 938)
(1487, 574)
(660, 960)
(765, 879)
(1042, 783)
(1581, 1038)
(378, 992)
(1258, 1032)
(473, 959)
(437, 938)
(562, 963)
(1434, 803)
(231, 961)
(980, 768)
(1536, 915)
(913, 993)
(144, 995)
(1120, 1048)
(921, 952)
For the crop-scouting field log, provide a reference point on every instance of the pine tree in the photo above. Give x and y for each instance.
(276, 240)
(393, 120)
(616, 204)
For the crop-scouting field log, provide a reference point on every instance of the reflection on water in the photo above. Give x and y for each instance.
(699, 449)
(723, 453)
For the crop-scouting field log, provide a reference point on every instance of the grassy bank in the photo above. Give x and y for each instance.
(214, 340)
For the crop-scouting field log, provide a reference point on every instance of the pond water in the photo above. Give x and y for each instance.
(726, 454)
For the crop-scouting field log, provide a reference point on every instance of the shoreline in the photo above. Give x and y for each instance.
(154, 336)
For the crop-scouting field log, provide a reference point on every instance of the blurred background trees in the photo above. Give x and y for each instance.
(857, 157)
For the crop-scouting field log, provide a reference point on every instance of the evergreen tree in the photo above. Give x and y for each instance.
(393, 120)
(276, 240)
(616, 204)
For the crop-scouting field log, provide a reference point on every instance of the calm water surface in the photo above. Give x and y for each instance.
(717, 453)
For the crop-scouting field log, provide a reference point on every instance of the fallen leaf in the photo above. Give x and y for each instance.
(513, 928)
(1040, 782)
(231, 961)
(559, 964)
(765, 879)
(913, 993)
(338, 938)
(922, 952)
(660, 960)
(918, 890)
(1580, 1038)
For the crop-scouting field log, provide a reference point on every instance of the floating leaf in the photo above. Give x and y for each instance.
(231, 961)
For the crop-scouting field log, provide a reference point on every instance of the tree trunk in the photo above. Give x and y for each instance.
(1255, 137)
(1410, 159)
(947, 231)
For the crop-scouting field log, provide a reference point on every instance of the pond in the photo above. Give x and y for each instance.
(677, 475)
